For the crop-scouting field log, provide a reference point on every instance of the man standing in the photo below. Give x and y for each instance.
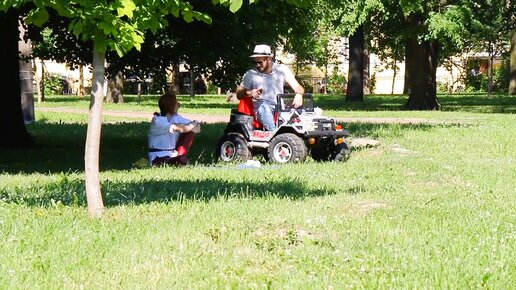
(264, 82)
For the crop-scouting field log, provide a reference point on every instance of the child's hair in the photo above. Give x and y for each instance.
(166, 103)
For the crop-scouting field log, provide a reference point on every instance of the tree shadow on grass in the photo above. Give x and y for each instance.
(370, 130)
(501, 104)
(71, 192)
(450, 103)
(60, 147)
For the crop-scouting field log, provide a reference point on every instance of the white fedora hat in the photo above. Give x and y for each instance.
(262, 50)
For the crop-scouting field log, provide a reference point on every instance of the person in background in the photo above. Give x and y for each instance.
(264, 82)
(170, 135)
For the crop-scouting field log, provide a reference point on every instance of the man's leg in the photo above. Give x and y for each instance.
(265, 115)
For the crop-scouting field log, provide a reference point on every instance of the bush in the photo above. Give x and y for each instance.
(337, 83)
(54, 85)
(478, 82)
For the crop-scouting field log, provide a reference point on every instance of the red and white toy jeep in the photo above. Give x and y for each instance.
(299, 132)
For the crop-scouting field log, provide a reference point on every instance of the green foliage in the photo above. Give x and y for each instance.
(53, 85)
(116, 25)
(337, 83)
(479, 83)
(159, 82)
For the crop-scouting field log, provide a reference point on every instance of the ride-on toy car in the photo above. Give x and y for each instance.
(299, 132)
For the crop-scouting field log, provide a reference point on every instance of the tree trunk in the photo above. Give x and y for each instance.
(41, 98)
(37, 79)
(490, 70)
(422, 67)
(368, 89)
(355, 88)
(395, 72)
(512, 84)
(192, 83)
(26, 88)
(13, 132)
(115, 89)
(406, 78)
(92, 150)
(175, 80)
(81, 91)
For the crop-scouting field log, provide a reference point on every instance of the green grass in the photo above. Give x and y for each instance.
(374, 105)
(432, 207)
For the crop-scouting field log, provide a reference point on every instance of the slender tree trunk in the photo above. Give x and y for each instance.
(422, 67)
(512, 83)
(192, 83)
(92, 150)
(41, 97)
(26, 73)
(139, 90)
(324, 82)
(395, 72)
(115, 89)
(175, 79)
(355, 92)
(367, 75)
(37, 79)
(406, 77)
(490, 71)
(13, 132)
(81, 91)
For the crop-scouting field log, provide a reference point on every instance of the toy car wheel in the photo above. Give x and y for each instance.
(320, 154)
(341, 152)
(287, 148)
(232, 147)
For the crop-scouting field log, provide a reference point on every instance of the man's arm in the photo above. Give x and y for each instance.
(242, 92)
(299, 90)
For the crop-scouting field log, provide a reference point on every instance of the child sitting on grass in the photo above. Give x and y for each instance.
(170, 135)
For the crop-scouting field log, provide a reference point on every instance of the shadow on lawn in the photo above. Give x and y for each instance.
(60, 147)
(478, 103)
(71, 192)
(61, 150)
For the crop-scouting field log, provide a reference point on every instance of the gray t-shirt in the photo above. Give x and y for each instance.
(272, 84)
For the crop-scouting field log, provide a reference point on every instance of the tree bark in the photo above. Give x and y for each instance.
(355, 88)
(175, 80)
(490, 70)
(512, 83)
(421, 65)
(41, 99)
(92, 149)
(368, 89)
(81, 92)
(395, 72)
(192, 82)
(26, 79)
(115, 89)
(406, 77)
(13, 132)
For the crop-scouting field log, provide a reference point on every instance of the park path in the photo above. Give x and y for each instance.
(225, 118)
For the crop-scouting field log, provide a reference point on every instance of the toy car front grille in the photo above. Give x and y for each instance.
(326, 125)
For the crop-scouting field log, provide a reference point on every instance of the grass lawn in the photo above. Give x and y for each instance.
(432, 207)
